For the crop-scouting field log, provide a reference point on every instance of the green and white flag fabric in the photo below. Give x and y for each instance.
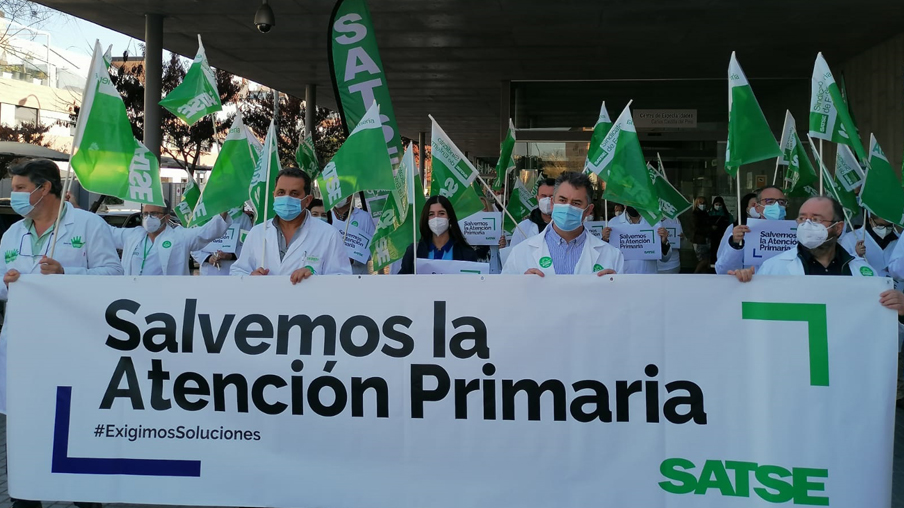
(829, 116)
(361, 163)
(453, 174)
(108, 159)
(306, 157)
(847, 169)
(520, 205)
(623, 168)
(671, 202)
(197, 95)
(230, 178)
(398, 227)
(108, 57)
(263, 181)
(800, 175)
(190, 195)
(882, 194)
(595, 150)
(506, 162)
(831, 186)
(749, 137)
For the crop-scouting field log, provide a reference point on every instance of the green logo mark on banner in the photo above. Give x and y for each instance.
(167, 244)
(815, 316)
(545, 261)
(77, 242)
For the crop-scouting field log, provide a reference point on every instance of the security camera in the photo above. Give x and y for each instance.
(264, 19)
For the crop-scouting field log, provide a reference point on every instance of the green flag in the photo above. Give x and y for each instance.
(197, 95)
(230, 178)
(623, 168)
(361, 163)
(800, 175)
(520, 204)
(829, 116)
(190, 194)
(306, 157)
(263, 181)
(749, 137)
(399, 227)
(506, 162)
(671, 202)
(108, 159)
(882, 194)
(595, 150)
(108, 57)
(832, 188)
(847, 169)
(453, 174)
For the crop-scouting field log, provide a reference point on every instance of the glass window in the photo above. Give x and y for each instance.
(26, 115)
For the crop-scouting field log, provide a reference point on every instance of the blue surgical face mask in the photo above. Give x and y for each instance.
(774, 211)
(567, 217)
(287, 207)
(21, 202)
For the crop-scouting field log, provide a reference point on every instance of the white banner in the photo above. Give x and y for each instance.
(228, 242)
(768, 238)
(357, 242)
(423, 391)
(482, 228)
(636, 241)
(595, 227)
(674, 239)
(444, 266)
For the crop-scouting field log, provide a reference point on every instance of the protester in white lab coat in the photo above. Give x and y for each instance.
(566, 247)
(339, 217)
(539, 217)
(770, 205)
(213, 261)
(297, 244)
(673, 265)
(632, 216)
(157, 248)
(874, 242)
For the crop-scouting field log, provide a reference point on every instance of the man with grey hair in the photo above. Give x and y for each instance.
(770, 205)
(566, 247)
(157, 248)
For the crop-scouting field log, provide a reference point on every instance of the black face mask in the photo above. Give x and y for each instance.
(632, 212)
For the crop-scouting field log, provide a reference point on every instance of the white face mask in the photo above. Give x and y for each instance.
(619, 212)
(882, 231)
(151, 224)
(717, 207)
(438, 225)
(812, 234)
(701, 207)
(341, 203)
(545, 206)
(752, 213)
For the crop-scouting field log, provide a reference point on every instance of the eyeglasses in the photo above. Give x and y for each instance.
(770, 201)
(801, 220)
(159, 215)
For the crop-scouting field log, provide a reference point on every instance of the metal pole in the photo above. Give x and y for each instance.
(310, 109)
(276, 109)
(820, 173)
(153, 81)
(422, 155)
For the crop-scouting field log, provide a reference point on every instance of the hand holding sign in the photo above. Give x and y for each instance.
(768, 238)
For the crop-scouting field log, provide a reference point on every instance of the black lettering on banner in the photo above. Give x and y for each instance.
(188, 325)
(421, 394)
(215, 344)
(478, 335)
(405, 341)
(533, 391)
(181, 391)
(340, 396)
(306, 327)
(623, 392)
(381, 394)
(462, 388)
(257, 394)
(694, 400)
(439, 329)
(124, 369)
(243, 333)
(122, 325)
(371, 342)
(157, 376)
(221, 382)
(599, 398)
(167, 331)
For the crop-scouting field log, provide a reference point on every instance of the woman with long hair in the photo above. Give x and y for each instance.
(441, 238)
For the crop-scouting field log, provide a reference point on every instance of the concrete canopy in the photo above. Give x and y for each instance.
(450, 57)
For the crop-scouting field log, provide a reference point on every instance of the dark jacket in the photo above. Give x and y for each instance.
(460, 252)
(701, 226)
(537, 218)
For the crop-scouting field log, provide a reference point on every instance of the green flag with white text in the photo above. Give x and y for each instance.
(800, 175)
(831, 186)
(671, 202)
(623, 168)
(882, 194)
(749, 137)
(847, 170)
(829, 116)
(108, 159)
(306, 157)
(263, 180)
(520, 204)
(506, 161)
(361, 163)
(197, 95)
(230, 178)
(453, 174)
(398, 227)
(190, 194)
(595, 150)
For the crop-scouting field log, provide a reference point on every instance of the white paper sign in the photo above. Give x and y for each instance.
(595, 227)
(768, 238)
(445, 266)
(173, 391)
(636, 241)
(228, 242)
(674, 239)
(357, 243)
(482, 228)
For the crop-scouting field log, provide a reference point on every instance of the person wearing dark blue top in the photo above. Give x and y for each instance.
(441, 238)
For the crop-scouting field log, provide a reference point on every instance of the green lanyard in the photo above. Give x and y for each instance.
(145, 257)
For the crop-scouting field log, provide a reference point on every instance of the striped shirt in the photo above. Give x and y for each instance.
(565, 255)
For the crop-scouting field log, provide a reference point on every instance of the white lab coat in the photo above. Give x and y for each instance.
(788, 263)
(642, 265)
(172, 246)
(727, 257)
(877, 258)
(241, 223)
(674, 261)
(84, 247)
(526, 229)
(319, 246)
(366, 223)
(895, 264)
(596, 255)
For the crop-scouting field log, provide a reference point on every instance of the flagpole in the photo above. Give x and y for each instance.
(822, 171)
(738, 190)
(821, 176)
(266, 205)
(414, 226)
(56, 224)
(606, 211)
(504, 209)
(778, 161)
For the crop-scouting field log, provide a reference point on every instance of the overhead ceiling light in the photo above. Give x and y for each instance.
(264, 19)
